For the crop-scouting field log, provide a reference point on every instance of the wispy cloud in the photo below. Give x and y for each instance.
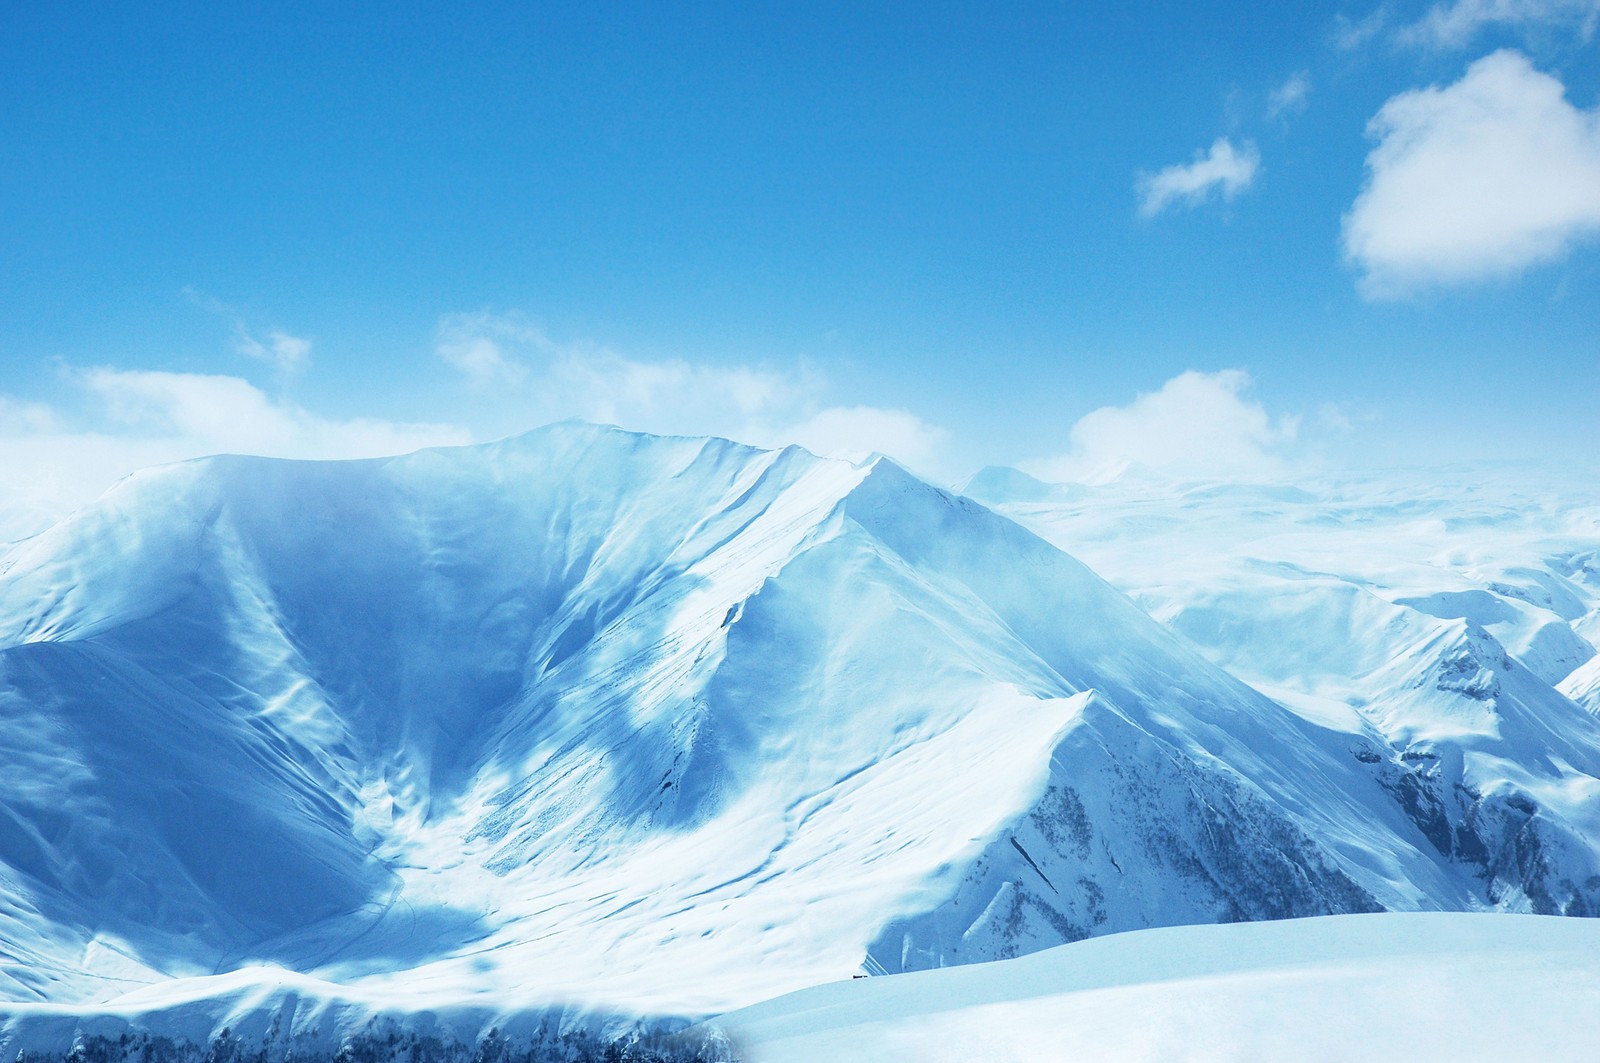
(1454, 25)
(1478, 179)
(546, 379)
(1224, 170)
(1289, 98)
(475, 346)
(208, 414)
(1200, 425)
(54, 459)
(1350, 34)
(21, 416)
(856, 432)
(287, 353)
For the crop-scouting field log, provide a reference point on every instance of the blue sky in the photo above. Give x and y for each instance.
(952, 230)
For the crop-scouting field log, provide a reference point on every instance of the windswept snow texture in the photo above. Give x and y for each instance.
(668, 726)
(1396, 987)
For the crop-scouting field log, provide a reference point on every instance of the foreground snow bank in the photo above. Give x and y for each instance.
(1371, 987)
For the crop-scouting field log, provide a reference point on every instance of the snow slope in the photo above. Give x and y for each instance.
(1372, 987)
(661, 726)
(1451, 615)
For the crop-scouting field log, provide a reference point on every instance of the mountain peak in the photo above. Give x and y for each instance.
(1001, 484)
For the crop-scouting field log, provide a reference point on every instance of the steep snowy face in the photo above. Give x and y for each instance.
(1451, 618)
(246, 687)
(659, 724)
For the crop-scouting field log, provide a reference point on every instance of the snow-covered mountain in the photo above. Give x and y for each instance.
(1451, 615)
(670, 726)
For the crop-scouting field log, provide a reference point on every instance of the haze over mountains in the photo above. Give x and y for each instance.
(670, 726)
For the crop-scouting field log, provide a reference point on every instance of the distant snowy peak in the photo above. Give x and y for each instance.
(999, 484)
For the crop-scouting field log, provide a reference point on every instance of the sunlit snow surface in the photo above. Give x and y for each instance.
(671, 726)
(1399, 987)
(1453, 612)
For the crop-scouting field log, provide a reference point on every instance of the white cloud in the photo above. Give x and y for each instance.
(1350, 34)
(1334, 416)
(18, 416)
(595, 383)
(204, 414)
(545, 380)
(1224, 169)
(1474, 180)
(1198, 425)
(53, 460)
(1454, 25)
(1289, 98)
(286, 353)
(474, 345)
(857, 432)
